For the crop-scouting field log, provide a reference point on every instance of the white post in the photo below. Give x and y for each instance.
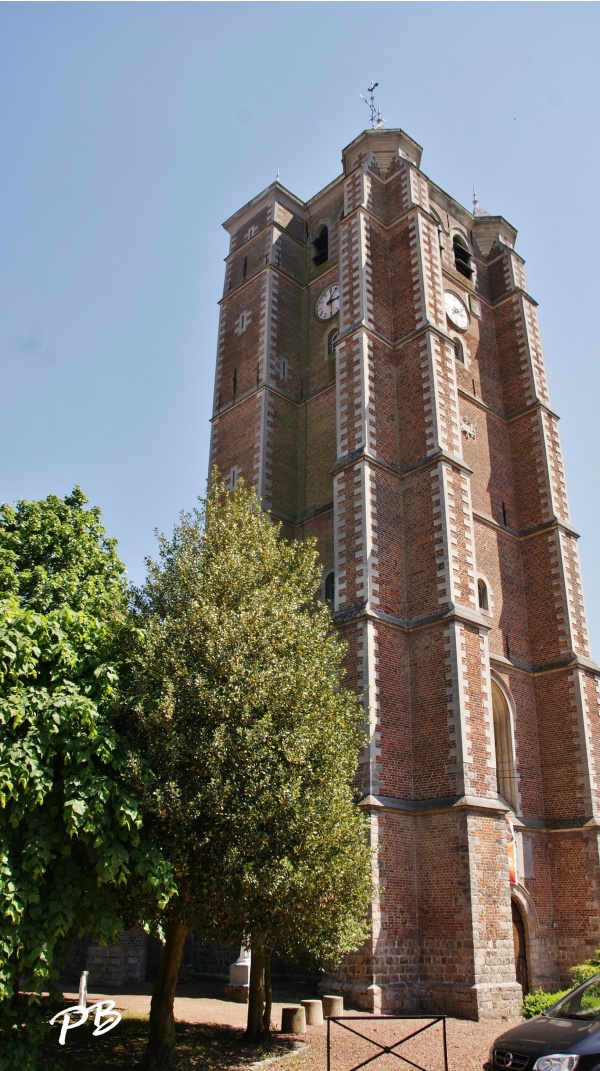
(83, 977)
(239, 977)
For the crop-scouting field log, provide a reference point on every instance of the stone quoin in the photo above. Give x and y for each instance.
(380, 381)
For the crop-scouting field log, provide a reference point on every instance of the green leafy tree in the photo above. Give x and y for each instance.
(253, 744)
(55, 553)
(70, 834)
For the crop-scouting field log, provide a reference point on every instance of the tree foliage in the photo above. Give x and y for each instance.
(69, 833)
(251, 739)
(55, 553)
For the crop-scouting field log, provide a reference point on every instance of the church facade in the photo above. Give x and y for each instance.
(380, 380)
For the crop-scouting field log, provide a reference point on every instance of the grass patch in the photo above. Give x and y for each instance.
(199, 1047)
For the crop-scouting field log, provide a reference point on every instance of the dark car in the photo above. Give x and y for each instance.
(565, 1037)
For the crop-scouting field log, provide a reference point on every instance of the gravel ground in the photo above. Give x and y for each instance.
(468, 1043)
(468, 1046)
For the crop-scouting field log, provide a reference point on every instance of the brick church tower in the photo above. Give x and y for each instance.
(380, 380)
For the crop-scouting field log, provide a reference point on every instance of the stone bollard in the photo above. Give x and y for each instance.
(333, 1005)
(293, 1020)
(314, 1012)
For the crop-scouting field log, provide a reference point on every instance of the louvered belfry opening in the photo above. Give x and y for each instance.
(321, 247)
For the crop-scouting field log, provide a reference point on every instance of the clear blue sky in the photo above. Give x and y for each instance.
(131, 130)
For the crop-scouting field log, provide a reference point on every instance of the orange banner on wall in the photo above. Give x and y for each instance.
(511, 848)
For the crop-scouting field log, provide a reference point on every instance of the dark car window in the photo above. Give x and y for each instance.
(582, 1003)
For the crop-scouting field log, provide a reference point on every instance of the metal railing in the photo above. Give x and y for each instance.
(383, 1050)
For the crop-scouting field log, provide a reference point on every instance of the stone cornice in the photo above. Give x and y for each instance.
(559, 825)
(525, 533)
(308, 516)
(361, 454)
(516, 290)
(271, 223)
(502, 256)
(535, 404)
(515, 415)
(384, 139)
(433, 806)
(275, 389)
(442, 804)
(252, 279)
(464, 614)
(270, 193)
(360, 325)
(284, 274)
(543, 669)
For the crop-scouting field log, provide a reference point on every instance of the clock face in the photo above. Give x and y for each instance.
(329, 302)
(456, 310)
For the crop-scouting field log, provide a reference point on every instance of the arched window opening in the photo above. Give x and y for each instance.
(462, 257)
(330, 589)
(331, 341)
(506, 781)
(321, 247)
(459, 353)
(482, 595)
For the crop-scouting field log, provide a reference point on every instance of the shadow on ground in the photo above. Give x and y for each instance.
(200, 1047)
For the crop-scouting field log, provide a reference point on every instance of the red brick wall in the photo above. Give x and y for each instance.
(318, 419)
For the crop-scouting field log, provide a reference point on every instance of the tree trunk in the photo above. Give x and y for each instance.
(160, 1050)
(268, 995)
(255, 1029)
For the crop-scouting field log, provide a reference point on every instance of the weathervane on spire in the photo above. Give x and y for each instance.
(377, 119)
(477, 209)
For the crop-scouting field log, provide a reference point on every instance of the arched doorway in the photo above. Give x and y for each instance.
(518, 928)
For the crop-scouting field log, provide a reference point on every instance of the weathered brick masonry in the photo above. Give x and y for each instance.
(410, 431)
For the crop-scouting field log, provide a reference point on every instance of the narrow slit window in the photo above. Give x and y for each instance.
(459, 353)
(331, 341)
(330, 589)
(232, 479)
(242, 322)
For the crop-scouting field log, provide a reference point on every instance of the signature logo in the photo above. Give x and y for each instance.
(104, 1019)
